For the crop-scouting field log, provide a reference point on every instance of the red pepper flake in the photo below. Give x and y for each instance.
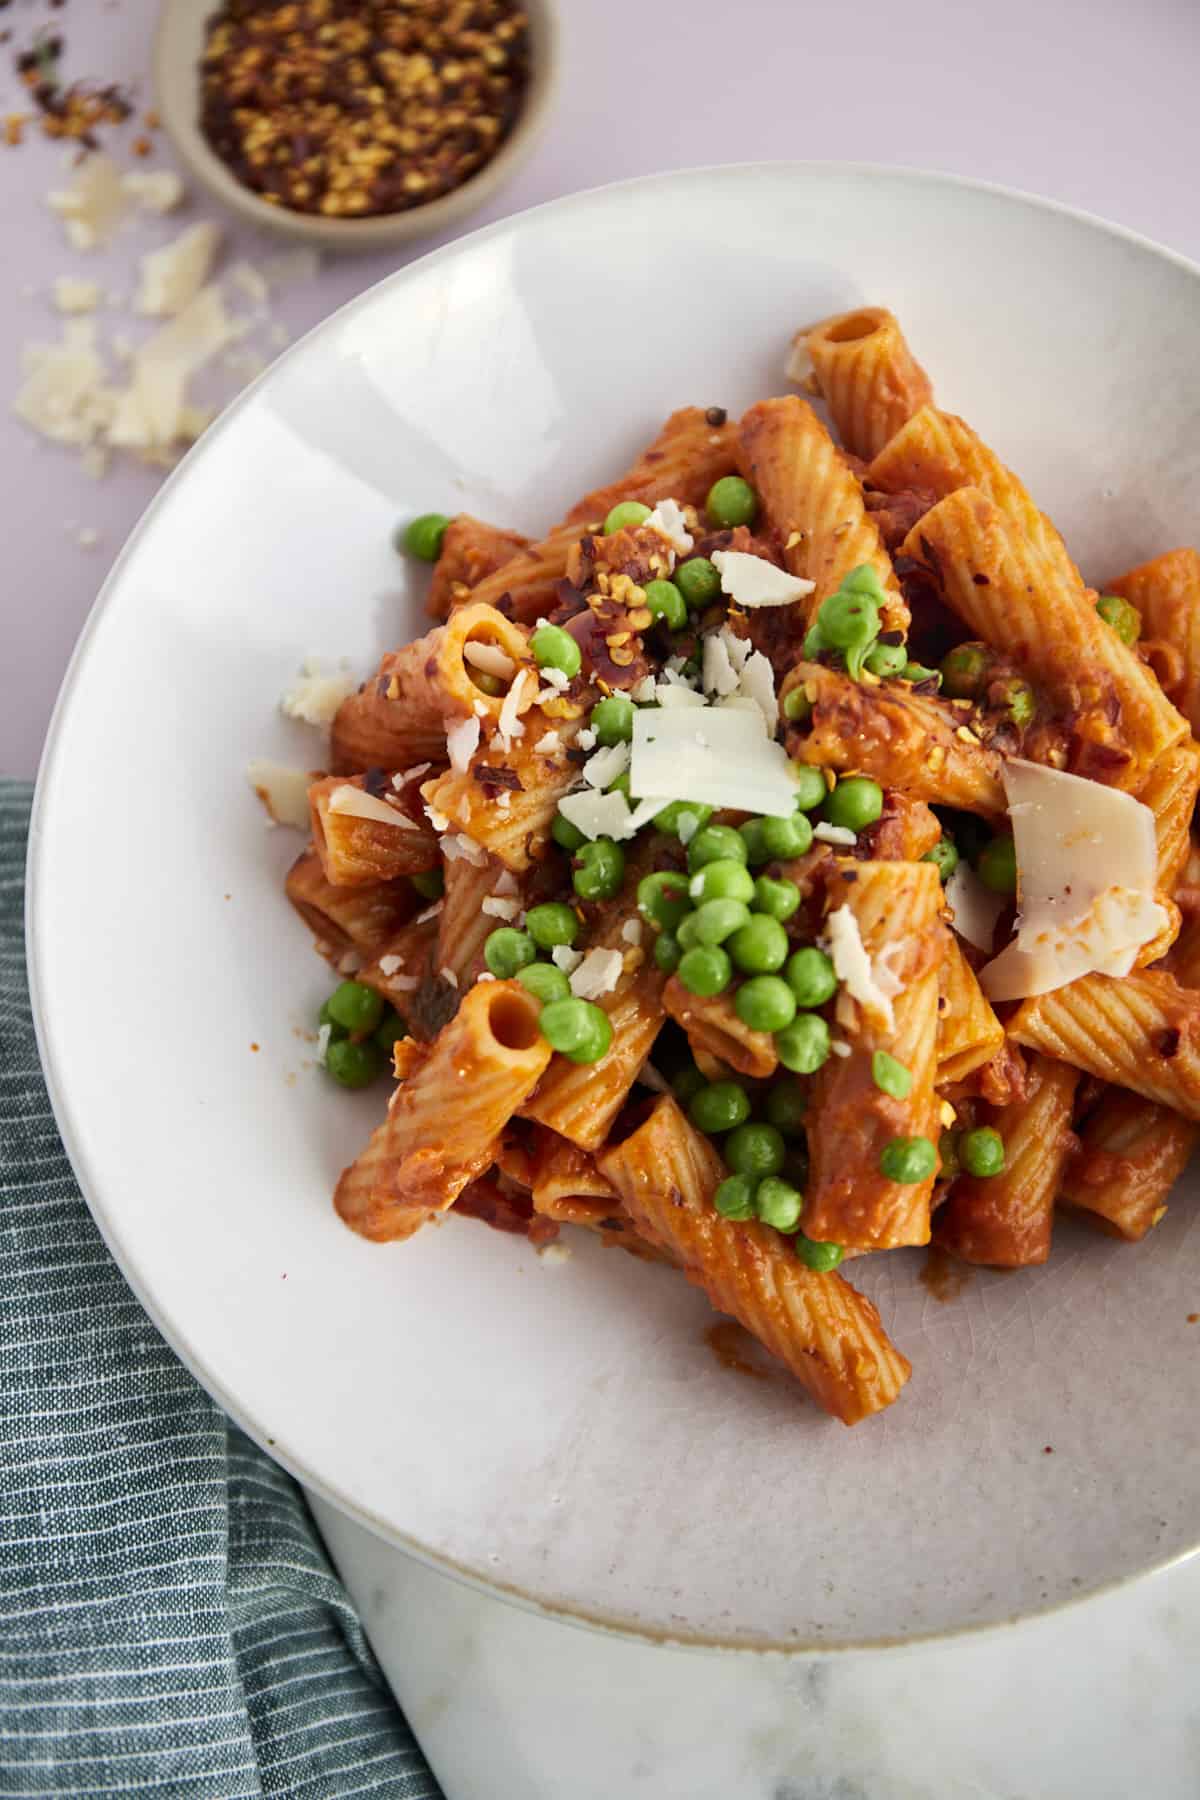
(1193, 1318)
(254, 1046)
(1049, 1450)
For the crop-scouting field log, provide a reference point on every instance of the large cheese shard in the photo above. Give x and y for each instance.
(1086, 869)
(753, 581)
(172, 276)
(720, 756)
(873, 985)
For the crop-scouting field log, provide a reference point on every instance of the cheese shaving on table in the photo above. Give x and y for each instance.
(597, 974)
(356, 803)
(1086, 875)
(282, 790)
(729, 761)
(94, 204)
(462, 741)
(490, 658)
(668, 520)
(872, 985)
(71, 295)
(173, 276)
(753, 581)
(314, 696)
(156, 191)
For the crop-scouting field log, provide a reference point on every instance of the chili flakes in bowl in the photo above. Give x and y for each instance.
(354, 108)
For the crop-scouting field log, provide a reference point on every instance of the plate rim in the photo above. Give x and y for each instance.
(37, 952)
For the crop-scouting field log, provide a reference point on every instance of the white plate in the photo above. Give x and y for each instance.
(564, 1432)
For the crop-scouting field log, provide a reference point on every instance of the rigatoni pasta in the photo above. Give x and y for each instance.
(751, 870)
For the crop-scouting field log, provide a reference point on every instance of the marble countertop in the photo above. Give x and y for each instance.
(1092, 104)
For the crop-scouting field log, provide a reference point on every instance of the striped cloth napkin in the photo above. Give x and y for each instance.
(169, 1621)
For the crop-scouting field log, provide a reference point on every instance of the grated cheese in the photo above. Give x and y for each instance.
(356, 803)
(677, 694)
(642, 694)
(153, 190)
(602, 769)
(598, 815)
(462, 741)
(732, 762)
(508, 725)
(491, 659)
(840, 1047)
(631, 931)
(566, 959)
(597, 974)
(282, 790)
(497, 908)
(548, 743)
(71, 295)
(834, 834)
(556, 678)
(668, 520)
(315, 697)
(94, 204)
(407, 775)
(753, 581)
(431, 912)
(506, 882)
(389, 964)
(719, 675)
(586, 738)
(449, 977)
(852, 965)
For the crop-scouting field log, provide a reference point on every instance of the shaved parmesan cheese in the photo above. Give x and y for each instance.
(757, 683)
(282, 790)
(853, 968)
(597, 815)
(93, 206)
(840, 1047)
(649, 1077)
(737, 764)
(460, 847)
(675, 693)
(597, 974)
(586, 738)
(315, 697)
(1086, 872)
(753, 581)
(389, 964)
(667, 519)
(976, 908)
(644, 812)
(566, 959)
(491, 659)
(602, 769)
(431, 912)
(557, 678)
(462, 741)
(438, 820)
(631, 931)
(503, 800)
(498, 908)
(548, 743)
(642, 693)
(71, 295)
(356, 803)
(719, 674)
(449, 977)
(64, 396)
(508, 725)
(834, 834)
(407, 775)
(173, 276)
(152, 412)
(153, 190)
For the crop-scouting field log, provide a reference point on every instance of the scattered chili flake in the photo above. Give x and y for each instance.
(73, 111)
(1049, 1450)
(1168, 1042)
(356, 107)
(142, 146)
(1193, 1318)
(254, 1047)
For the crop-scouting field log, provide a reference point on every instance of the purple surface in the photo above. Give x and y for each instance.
(1090, 104)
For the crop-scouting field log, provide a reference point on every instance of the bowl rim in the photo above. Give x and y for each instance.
(38, 954)
(379, 230)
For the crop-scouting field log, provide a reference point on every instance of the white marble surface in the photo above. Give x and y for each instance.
(1090, 101)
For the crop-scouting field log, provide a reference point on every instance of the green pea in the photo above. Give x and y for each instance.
(1125, 620)
(717, 920)
(752, 836)
(508, 950)
(810, 975)
(325, 1017)
(864, 579)
(1017, 699)
(665, 601)
(849, 619)
(778, 1203)
(429, 883)
(355, 1006)
(488, 684)
(716, 843)
(566, 836)
(765, 1003)
(948, 1153)
(686, 933)
(545, 982)
(550, 924)
(760, 946)
(804, 1044)
(997, 866)
(576, 1029)
(855, 803)
(554, 648)
(719, 1106)
(797, 707)
(786, 838)
(722, 880)
(908, 1160)
(734, 1198)
(811, 786)
(917, 672)
(698, 581)
(754, 1150)
(673, 816)
(389, 1031)
(667, 952)
(687, 1084)
(786, 1106)
(612, 719)
(777, 899)
(599, 870)
(821, 1258)
(705, 970)
(981, 1152)
(890, 1077)
(886, 659)
(964, 670)
(663, 898)
(731, 501)
(944, 855)
(354, 1065)
(422, 537)
(626, 515)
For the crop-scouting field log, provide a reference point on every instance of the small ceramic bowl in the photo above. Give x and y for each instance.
(178, 46)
